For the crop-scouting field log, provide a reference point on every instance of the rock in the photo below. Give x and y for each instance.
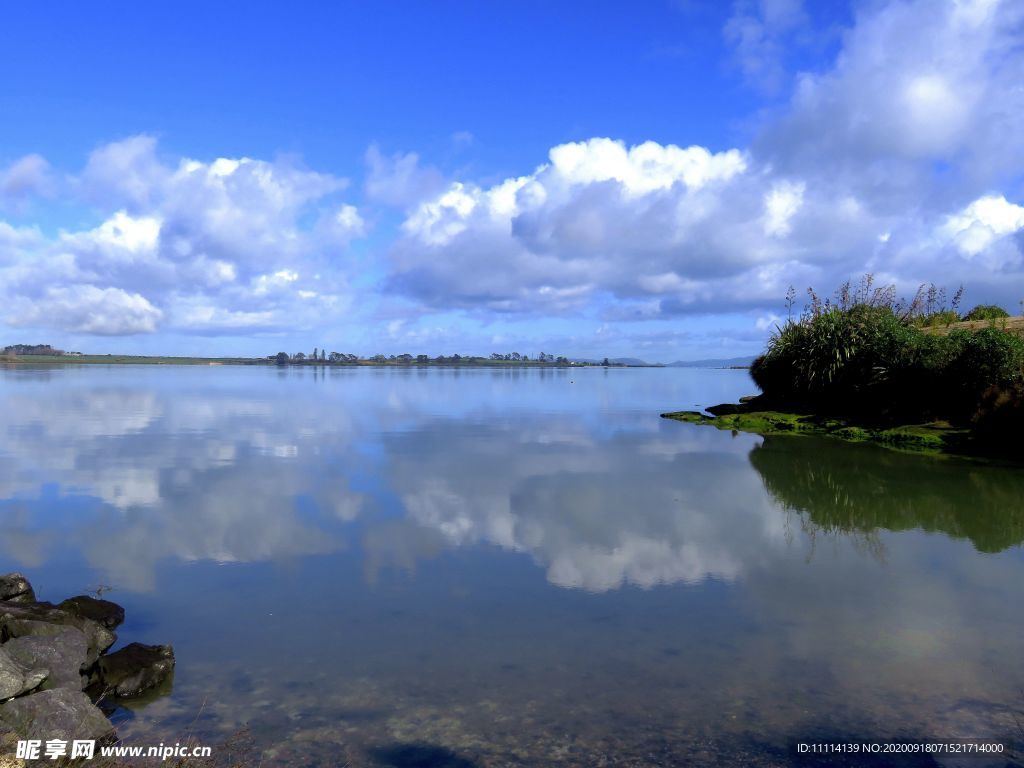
(17, 677)
(55, 714)
(64, 653)
(725, 409)
(15, 587)
(136, 668)
(21, 619)
(103, 612)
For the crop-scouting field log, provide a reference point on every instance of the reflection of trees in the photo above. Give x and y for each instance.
(859, 489)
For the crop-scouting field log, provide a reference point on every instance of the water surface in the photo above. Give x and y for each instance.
(512, 567)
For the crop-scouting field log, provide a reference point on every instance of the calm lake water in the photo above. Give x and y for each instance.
(499, 567)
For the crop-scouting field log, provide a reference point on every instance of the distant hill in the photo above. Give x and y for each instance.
(725, 362)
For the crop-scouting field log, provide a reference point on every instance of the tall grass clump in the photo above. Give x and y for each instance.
(867, 353)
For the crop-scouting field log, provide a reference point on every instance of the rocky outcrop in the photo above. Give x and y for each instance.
(15, 588)
(56, 714)
(50, 654)
(22, 619)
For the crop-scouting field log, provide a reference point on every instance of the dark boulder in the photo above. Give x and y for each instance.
(64, 653)
(16, 677)
(15, 587)
(56, 714)
(136, 668)
(21, 619)
(103, 612)
(725, 409)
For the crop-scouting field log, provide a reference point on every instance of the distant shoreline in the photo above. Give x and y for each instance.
(465, 362)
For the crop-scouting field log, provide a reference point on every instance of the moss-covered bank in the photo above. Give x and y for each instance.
(761, 418)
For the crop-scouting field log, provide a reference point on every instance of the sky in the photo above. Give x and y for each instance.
(641, 179)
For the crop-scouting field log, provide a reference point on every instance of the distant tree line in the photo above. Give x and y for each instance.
(32, 349)
(322, 357)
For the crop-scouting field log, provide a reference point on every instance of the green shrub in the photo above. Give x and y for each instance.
(978, 361)
(872, 361)
(986, 312)
(938, 319)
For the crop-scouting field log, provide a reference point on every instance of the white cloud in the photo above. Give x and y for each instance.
(595, 213)
(919, 80)
(644, 168)
(921, 114)
(125, 171)
(27, 177)
(983, 222)
(87, 309)
(120, 233)
(781, 204)
(191, 315)
(399, 179)
(691, 227)
(760, 33)
(903, 156)
(197, 246)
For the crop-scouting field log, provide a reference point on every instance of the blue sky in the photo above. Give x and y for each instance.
(610, 178)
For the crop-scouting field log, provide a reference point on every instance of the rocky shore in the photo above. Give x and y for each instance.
(55, 666)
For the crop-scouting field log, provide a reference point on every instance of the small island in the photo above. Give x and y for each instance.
(867, 366)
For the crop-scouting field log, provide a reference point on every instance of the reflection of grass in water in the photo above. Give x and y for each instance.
(860, 490)
(866, 542)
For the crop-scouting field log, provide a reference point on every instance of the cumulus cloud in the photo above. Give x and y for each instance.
(983, 222)
(598, 215)
(893, 160)
(903, 156)
(692, 228)
(914, 81)
(185, 245)
(88, 309)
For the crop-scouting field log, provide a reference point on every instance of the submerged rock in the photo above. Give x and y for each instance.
(136, 668)
(22, 619)
(15, 588)
(103, 612)
(16, 677)
(55, 714)
(64, 653)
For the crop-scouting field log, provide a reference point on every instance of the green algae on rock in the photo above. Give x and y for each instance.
(936, 437)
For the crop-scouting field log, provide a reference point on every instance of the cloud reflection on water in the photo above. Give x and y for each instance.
(246, 471)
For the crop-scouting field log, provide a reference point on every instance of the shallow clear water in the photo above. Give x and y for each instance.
(502, 567)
